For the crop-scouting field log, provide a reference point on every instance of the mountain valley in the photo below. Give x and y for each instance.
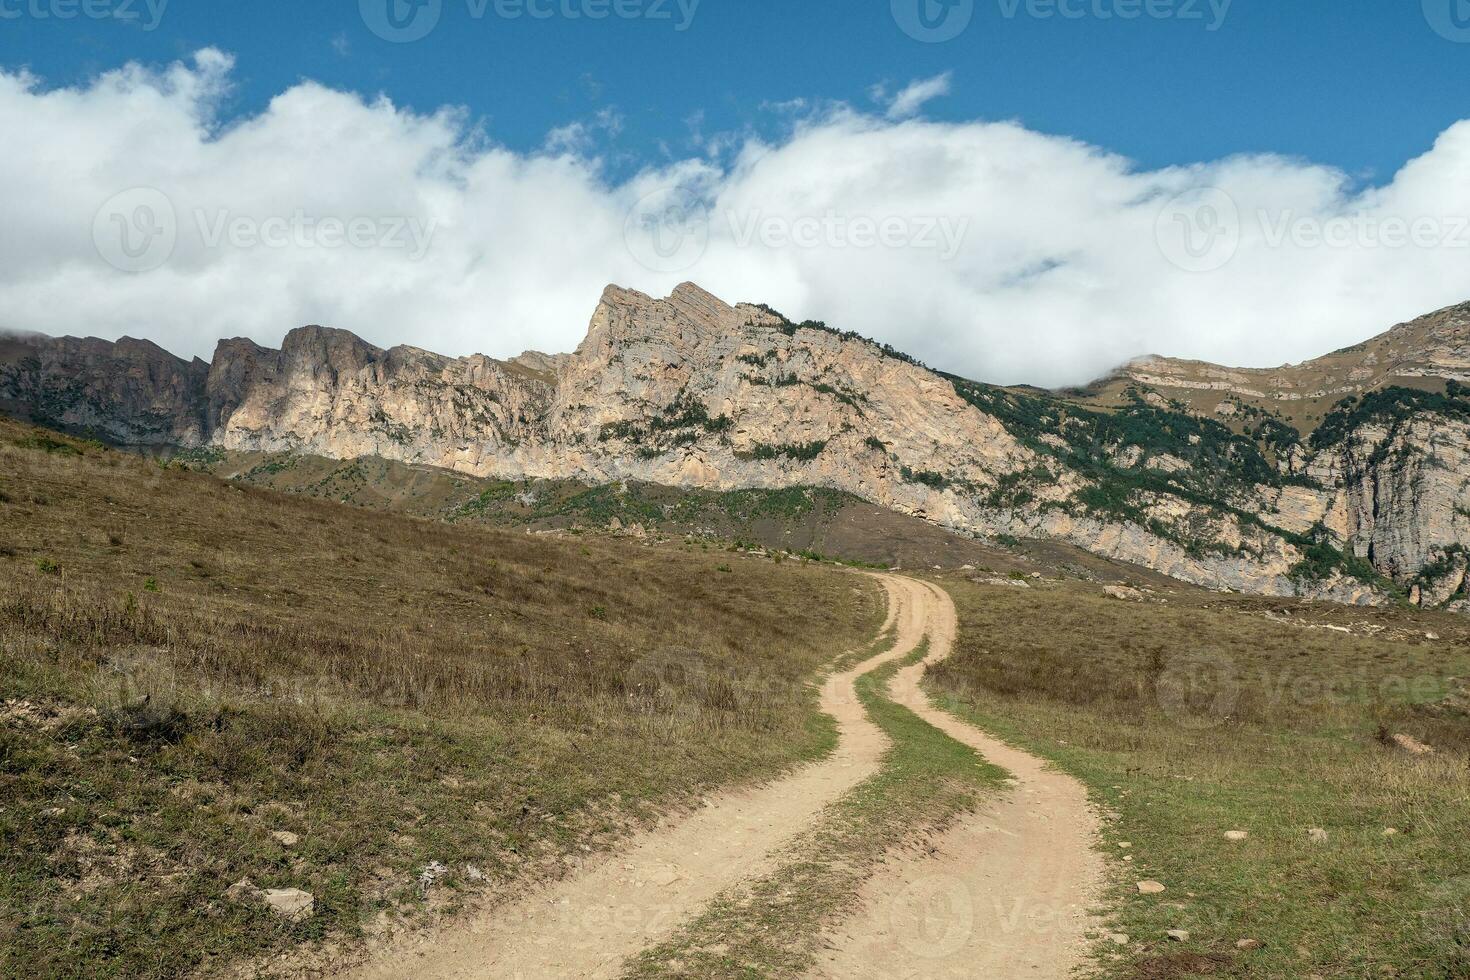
(1345, 478)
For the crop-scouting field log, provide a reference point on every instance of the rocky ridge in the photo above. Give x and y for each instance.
(689, 391)
(1435, 347)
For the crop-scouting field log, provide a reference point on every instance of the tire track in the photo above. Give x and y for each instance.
(614, 906)
(1006, 893)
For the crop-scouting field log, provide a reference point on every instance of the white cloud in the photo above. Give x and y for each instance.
(912, 98)
(1057, 277)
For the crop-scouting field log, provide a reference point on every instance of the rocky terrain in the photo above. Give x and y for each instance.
(1347, 478)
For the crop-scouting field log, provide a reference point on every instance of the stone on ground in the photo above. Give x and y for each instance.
(290, 903)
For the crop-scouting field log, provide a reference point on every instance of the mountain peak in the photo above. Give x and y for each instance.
(689, 391)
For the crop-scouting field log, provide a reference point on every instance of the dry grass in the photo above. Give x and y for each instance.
(1217, 713)
(187, 666)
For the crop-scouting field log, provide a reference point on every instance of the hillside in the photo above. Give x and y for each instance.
(1364, 504)
(1425, 354)
(214, 697)
(812, 522)
(203, 685)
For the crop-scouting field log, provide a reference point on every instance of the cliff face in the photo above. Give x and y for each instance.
(1404, 490)
(329, 393)
(691, 392)
(688, 391)
(132, 392)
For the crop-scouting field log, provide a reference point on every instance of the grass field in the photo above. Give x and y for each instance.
(1208, 714)
(202, 684)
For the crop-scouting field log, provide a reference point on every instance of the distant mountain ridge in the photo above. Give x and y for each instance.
(1261, 481)
(1436, 346)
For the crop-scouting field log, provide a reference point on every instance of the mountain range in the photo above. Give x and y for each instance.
(1344, 478)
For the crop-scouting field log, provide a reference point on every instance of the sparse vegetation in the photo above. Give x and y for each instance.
(801, 452)
(935, 481)
(1218, 470)
(1393, 405)
(679, 424)
(1445, 562)
(394, 691)
(848, 398)
(1322, 559)
(1219, 461)
(789, 328)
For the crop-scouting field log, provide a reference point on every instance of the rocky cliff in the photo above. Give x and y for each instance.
(131, 392)
(1357, 493)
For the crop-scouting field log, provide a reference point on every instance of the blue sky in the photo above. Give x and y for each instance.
(1362, 86)
(1062, 184)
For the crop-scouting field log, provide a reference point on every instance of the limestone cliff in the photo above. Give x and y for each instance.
(688, 391)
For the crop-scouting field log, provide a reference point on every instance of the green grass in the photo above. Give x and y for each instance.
(771, 927)
(501, 502)
(50, 444)
(1189, 720)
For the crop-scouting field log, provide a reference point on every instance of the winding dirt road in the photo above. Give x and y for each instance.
(615, 906)
(1003, 896)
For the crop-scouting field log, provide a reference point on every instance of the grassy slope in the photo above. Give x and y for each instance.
(770, 927)
(187, 667)
(1201, 716)
(796, 519)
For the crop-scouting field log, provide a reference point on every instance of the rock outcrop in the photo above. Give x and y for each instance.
(131, 392)
(689, 391)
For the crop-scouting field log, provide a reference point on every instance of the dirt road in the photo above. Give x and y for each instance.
(613, 907)
(1005, 894)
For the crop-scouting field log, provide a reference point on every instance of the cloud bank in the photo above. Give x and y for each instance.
(983, 248)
